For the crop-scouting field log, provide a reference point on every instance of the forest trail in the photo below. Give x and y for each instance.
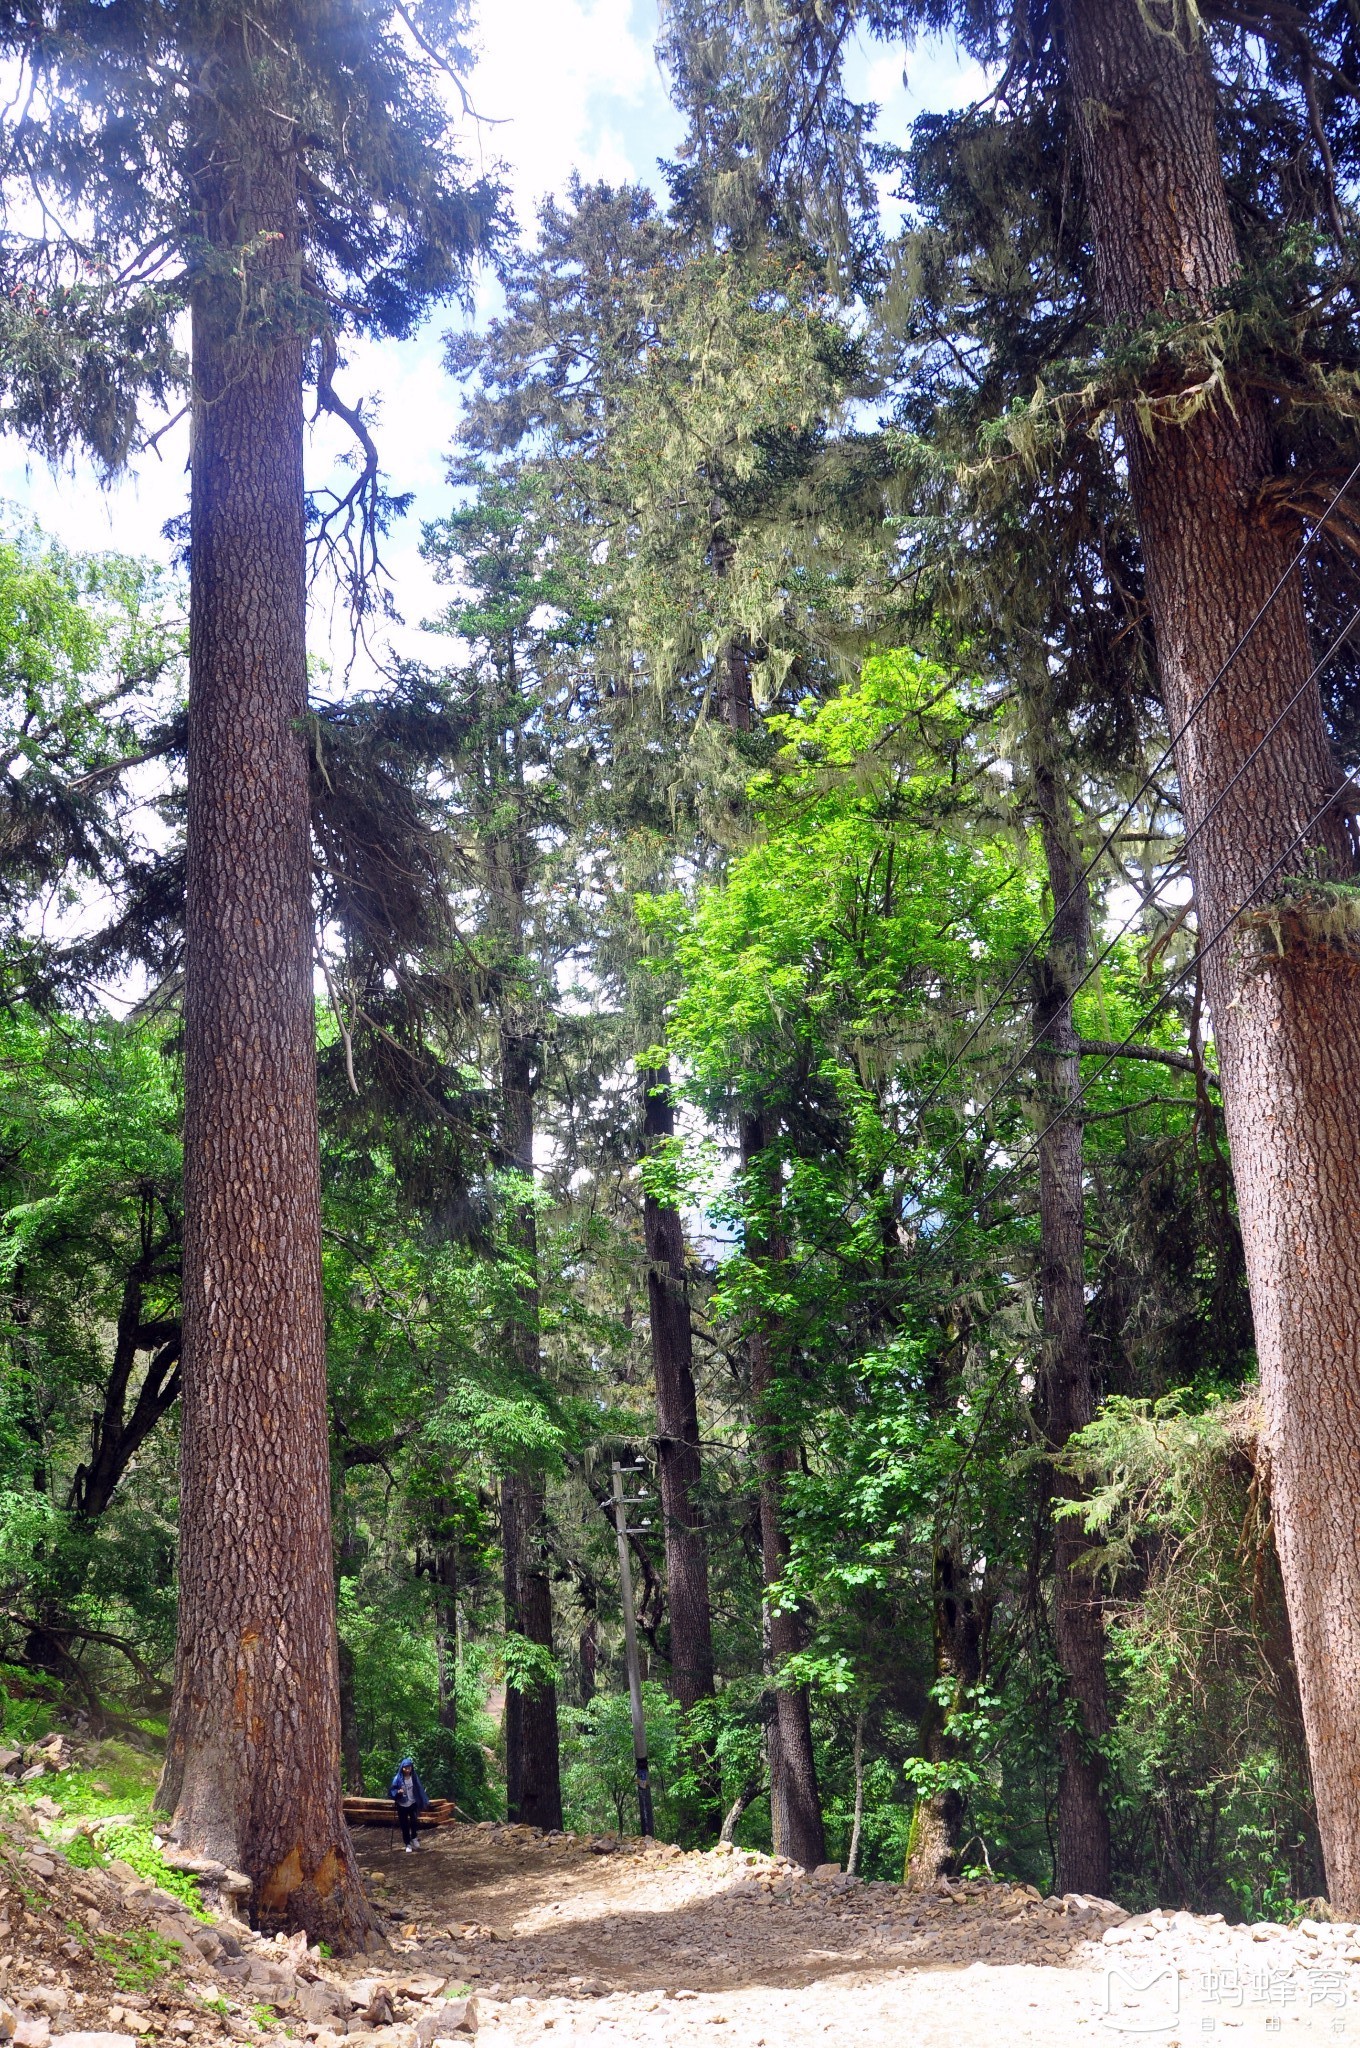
(563, 1944)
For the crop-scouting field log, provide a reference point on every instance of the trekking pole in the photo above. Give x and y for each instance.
(623, 1532)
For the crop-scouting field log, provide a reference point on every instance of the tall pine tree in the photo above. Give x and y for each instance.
(284, 175)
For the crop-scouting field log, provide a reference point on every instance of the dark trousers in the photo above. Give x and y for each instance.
(410, 1822)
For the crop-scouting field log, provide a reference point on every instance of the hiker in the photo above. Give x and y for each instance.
(409, 1796)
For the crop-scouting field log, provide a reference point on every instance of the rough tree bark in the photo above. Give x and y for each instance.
(512, 1721)
(1066, 1391)
(795, 1797)
(532, 1767)
(960, 1651)
(533, 1782)
(1286, 1020)
(252, 1767)
(677, 1416)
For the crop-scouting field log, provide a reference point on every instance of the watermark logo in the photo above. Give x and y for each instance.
(1141, 2001)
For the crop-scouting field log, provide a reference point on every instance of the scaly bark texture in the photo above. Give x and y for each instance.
(795, 1797)
(533, 1783)
(677, 1417)
(252, 1769)
(1066, 1392)
(533, 1777)
(962, 1622)
(1287, 1025)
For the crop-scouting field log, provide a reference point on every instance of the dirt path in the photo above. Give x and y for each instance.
(566, 1946)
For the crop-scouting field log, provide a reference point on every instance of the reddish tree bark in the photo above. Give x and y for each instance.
(677, 1417)
(252, 1769)
(1066, 1393)
(1286, 1018)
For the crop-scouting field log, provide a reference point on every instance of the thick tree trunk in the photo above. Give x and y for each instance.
(677, 1417)
(253, 1763)
(960, 1645)
(1286, 1017)
(1066, 1385)
(512, 1722)
(532, 1777)
(795, 1798)
(532, 1766)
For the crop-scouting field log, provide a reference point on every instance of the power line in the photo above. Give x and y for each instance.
(1146, 784)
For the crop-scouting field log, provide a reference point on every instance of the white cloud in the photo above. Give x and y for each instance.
(570, 78)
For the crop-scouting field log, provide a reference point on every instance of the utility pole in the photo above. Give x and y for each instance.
(621, 1530)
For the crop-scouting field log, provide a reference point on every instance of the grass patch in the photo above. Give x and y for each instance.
(138, 1960)
(116, 1779)
(131, 1843)
(108, 1799)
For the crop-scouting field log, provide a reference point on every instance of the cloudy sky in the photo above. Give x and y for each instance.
(573, 84)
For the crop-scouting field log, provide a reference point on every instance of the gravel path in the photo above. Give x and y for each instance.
(565, 1945)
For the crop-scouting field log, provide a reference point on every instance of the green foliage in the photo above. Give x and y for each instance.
(132, 1843)
(109, 124)
(529, 1667)
(1209, 1740)
(599, 1777)
(138, 1960)
(757, 720)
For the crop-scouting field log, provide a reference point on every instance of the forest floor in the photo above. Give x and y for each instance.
(576, 1944)
(559, 1941)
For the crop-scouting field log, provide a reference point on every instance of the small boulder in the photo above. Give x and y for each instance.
(453, 2016)
(320, 2002)
(378, 2012)
(824, 1873)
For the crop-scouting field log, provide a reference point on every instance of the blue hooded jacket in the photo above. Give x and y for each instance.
(395, 1788)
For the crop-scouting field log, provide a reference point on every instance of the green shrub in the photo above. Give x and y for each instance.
(131, 1843)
